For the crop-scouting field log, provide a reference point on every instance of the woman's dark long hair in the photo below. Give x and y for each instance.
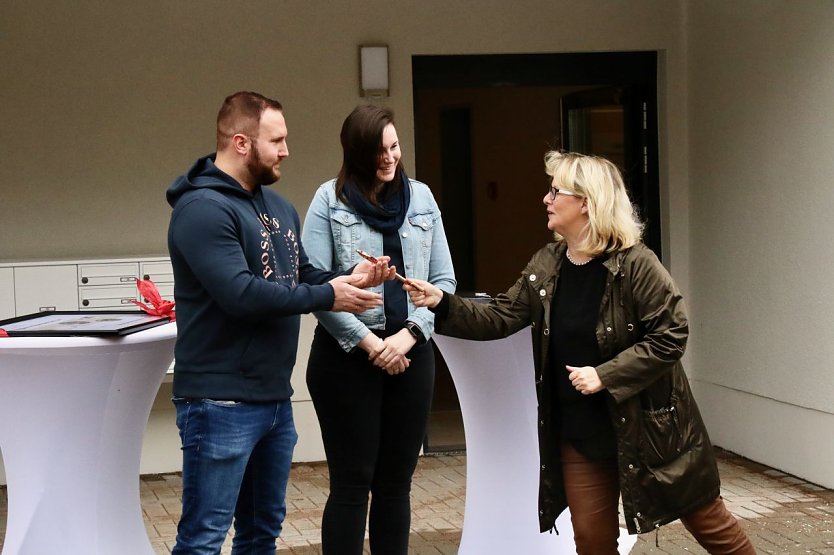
(361, 138)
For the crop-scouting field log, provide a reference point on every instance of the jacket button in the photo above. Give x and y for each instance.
(405, 234)
(622, 419)
(532, 324)
(542, 467)
(630, 327)
(639, 514)
(541, 422)
(542, 292)
(608, 328)
(541, 512)
(546, 331)
(631, 467)
(532, 277)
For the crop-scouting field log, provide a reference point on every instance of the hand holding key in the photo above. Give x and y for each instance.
(373, 260)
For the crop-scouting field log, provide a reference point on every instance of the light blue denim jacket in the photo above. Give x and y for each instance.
(332, 233)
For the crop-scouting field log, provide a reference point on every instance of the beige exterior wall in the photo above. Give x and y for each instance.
(761, 77)
(104, 103)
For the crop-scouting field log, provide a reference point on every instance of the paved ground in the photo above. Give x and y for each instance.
(782, 514)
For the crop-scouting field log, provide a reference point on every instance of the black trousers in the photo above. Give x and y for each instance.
(373, 426)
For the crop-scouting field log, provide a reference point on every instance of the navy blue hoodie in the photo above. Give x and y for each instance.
(241, 280)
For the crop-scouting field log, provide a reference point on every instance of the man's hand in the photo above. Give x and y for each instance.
(349, 298)
(429, 296)
(373, 274)
(392, 357)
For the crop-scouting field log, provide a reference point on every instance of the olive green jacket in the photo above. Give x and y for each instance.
(666, 463)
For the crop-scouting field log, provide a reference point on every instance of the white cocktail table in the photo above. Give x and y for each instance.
(495, 382)
(73, 411)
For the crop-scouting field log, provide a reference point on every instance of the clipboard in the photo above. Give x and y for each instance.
(96, 323)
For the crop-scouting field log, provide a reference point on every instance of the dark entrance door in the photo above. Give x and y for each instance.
(614, 122)
(482, 126)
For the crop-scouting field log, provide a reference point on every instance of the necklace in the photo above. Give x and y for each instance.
(574, 262)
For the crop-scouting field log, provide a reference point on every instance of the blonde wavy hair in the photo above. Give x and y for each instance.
(613, 222)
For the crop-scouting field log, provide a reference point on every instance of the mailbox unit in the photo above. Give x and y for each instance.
(38, 286)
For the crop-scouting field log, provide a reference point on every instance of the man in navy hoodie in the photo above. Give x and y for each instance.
(242, 280)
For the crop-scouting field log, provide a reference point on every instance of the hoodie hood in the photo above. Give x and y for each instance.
(204, 175)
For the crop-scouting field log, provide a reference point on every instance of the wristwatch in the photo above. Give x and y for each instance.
(415, 332)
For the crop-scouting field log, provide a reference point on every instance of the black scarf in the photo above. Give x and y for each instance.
(388, 216)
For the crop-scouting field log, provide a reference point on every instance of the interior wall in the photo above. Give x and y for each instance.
(762, 133)
(512, 128)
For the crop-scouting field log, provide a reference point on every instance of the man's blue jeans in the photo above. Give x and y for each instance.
(236, 463)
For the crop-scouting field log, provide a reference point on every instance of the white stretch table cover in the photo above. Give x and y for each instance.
(72, 414)
(495, 382)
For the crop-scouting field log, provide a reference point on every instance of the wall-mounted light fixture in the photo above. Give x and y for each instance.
(373, 70)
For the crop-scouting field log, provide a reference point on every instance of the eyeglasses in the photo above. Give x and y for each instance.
(556, 191)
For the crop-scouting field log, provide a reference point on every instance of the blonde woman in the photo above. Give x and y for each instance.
(616, 415)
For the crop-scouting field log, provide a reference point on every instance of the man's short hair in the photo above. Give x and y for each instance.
(241, 113)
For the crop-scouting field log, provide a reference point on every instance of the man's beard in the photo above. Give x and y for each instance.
(262, 174)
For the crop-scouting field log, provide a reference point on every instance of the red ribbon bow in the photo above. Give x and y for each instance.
(150, 293)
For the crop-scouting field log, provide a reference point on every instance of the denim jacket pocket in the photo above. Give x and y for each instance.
(422, 231)
(346, 228)
(424, 222)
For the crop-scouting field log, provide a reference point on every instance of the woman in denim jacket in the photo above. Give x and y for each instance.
(371, 375)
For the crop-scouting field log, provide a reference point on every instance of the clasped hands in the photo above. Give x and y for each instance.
(351, 296)
(389, 354)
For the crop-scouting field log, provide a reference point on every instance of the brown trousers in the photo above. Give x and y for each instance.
(593, 492)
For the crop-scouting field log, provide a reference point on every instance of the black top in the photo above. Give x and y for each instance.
(583, 419)
(396, 305)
